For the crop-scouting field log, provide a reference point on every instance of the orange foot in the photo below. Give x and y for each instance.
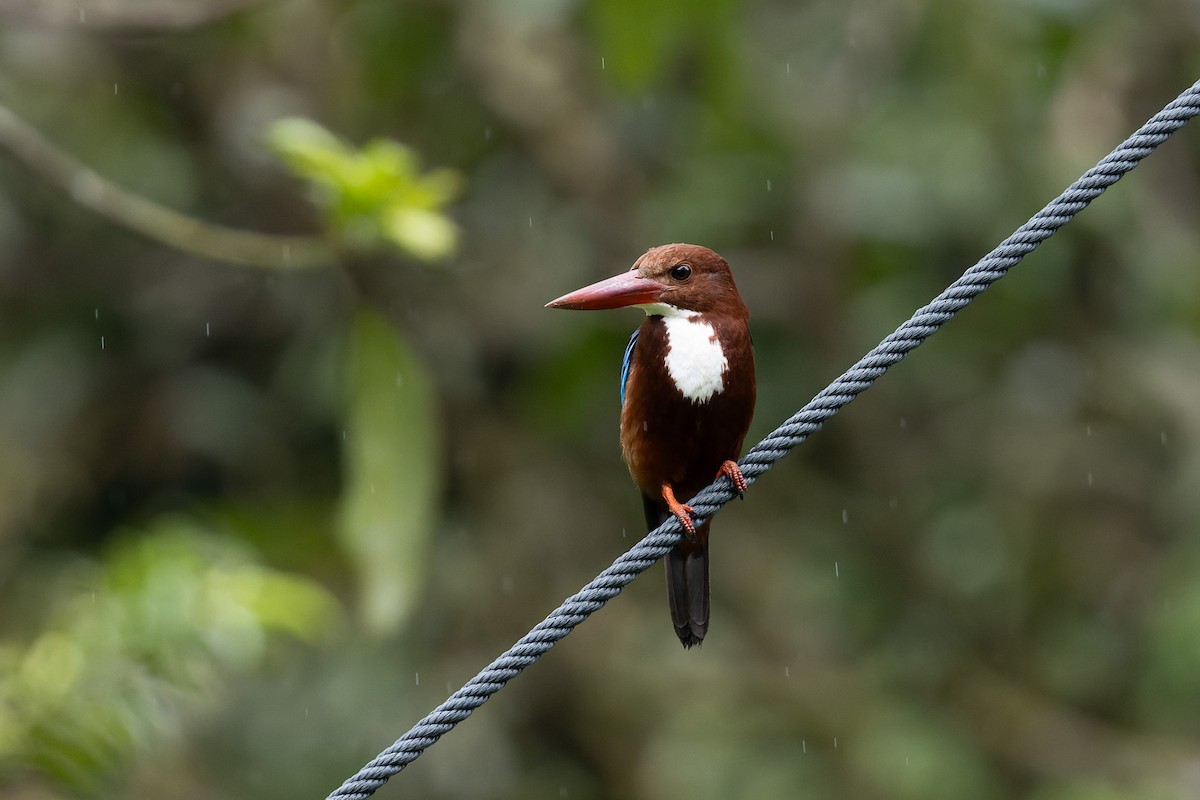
(682, 513)
(730, 470)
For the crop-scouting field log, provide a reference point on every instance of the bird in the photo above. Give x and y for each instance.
(687, 399)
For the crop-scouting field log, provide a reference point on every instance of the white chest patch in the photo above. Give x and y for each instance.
(695, 360)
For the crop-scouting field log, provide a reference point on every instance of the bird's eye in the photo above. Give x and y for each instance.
(681, 272)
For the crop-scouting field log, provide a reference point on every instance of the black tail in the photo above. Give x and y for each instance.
(687, 579)
(687, 588)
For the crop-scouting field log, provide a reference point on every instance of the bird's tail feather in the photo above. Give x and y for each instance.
(687, 588)
(687, 577)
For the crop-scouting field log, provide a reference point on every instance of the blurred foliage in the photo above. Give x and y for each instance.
(134, 643)
(374, 196)
(393, 471)
(977, 581)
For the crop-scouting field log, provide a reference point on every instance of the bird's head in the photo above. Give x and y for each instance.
(669, 280)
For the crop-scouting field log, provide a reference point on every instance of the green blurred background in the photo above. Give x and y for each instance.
(289, 448)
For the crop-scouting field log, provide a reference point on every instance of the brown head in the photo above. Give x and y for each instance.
(672, 278)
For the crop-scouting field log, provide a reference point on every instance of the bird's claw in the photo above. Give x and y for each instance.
(682, 512)
(731, 470)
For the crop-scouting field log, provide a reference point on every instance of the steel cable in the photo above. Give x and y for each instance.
(777, 444)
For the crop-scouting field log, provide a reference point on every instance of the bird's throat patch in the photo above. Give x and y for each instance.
(695, 360)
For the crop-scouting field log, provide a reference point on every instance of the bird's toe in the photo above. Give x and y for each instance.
(731, 470)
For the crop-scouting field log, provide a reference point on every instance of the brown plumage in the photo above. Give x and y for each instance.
(667, 438)
(688, 397)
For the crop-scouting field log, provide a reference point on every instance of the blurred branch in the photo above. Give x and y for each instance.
(127, 16)
(99, 195)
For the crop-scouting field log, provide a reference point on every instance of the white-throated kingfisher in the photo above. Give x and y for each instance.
(687, 396)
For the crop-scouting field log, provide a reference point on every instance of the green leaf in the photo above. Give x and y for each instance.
(428, 235)
(139, 641)
(374, 197)
(393, 471)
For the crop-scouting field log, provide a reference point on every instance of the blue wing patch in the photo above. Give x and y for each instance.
(626, 362)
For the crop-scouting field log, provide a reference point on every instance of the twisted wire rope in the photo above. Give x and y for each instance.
(927, 320)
